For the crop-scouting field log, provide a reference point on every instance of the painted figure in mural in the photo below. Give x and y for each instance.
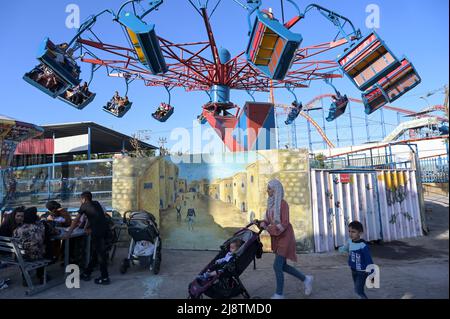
(190, 216)
(178, 208)
(282, 237)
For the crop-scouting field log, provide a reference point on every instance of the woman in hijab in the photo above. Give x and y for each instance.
(12, 221)
(282, 237)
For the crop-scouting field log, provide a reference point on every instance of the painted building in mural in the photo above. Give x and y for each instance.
(226, 190)
(181, 185)
(214, 189)
(240, 191)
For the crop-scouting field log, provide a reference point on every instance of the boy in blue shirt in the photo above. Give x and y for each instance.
(359, 257)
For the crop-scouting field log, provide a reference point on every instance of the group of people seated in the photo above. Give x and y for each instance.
(79, 94)
(45, 76)
(294, 112)
(117, 104)
(162, 111)
(36, 234)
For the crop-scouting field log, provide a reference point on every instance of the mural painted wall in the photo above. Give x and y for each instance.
(225, 193)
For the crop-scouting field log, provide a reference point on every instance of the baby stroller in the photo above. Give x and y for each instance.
(145, 244)
(227, 284)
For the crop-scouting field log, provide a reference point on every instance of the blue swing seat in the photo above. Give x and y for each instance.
(165, 117)
(294, 112)
(367, 61)
(145, 42)
(337, 108)
(86, 100)
(120, 114)
(272, 46)
(62, 85)
(67, 70)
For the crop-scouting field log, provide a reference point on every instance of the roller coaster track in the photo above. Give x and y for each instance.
(319, 129)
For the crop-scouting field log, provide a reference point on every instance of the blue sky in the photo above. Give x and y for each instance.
(416, 29)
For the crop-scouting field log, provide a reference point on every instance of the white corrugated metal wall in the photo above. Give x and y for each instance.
(386, 202)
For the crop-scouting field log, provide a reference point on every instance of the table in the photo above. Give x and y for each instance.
(77, 232)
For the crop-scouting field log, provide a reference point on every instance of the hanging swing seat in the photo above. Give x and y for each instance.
(337, 108)
(374, 98)
(117, 111)
(391, 87)
(145, 42)
(59, 61)
(367, 61)
(294, 112)
(38, 78)
(400, 81)
(162, 114)
(83, 99)
(272, 46)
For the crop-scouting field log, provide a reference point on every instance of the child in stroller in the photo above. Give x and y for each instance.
(145, 244)
(220, 263)
(225, 283)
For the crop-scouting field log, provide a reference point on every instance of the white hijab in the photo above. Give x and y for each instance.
(274, 202)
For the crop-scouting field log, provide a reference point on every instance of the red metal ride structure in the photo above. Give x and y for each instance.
(189, 68)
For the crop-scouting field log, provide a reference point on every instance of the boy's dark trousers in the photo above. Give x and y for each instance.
(100, 254)
(359, 281)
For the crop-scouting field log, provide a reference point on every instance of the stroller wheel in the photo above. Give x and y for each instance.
(157, 262)
(124, 267)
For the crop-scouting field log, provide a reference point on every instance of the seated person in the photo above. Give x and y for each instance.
(122, 103)
(30, 236)
(12, 221)
(58, 215)
(221, 262)
(47, 78)
(85, 89)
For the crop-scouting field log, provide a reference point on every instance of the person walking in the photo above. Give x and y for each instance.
(282, 237)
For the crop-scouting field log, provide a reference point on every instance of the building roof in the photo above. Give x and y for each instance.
(103, 139)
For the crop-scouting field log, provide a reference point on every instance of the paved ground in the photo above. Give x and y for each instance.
(413, 268)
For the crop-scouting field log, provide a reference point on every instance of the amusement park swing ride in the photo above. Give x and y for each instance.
(274, 58)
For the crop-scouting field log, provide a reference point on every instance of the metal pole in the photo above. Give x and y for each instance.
(53, 157)
(323, 123)
(371, 158)
(89, 143)
(309, 132)
(367, 129)
(337, 133)
(351, 125)
(383, 124)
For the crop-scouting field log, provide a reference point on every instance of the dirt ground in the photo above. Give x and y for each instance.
(412, 268)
